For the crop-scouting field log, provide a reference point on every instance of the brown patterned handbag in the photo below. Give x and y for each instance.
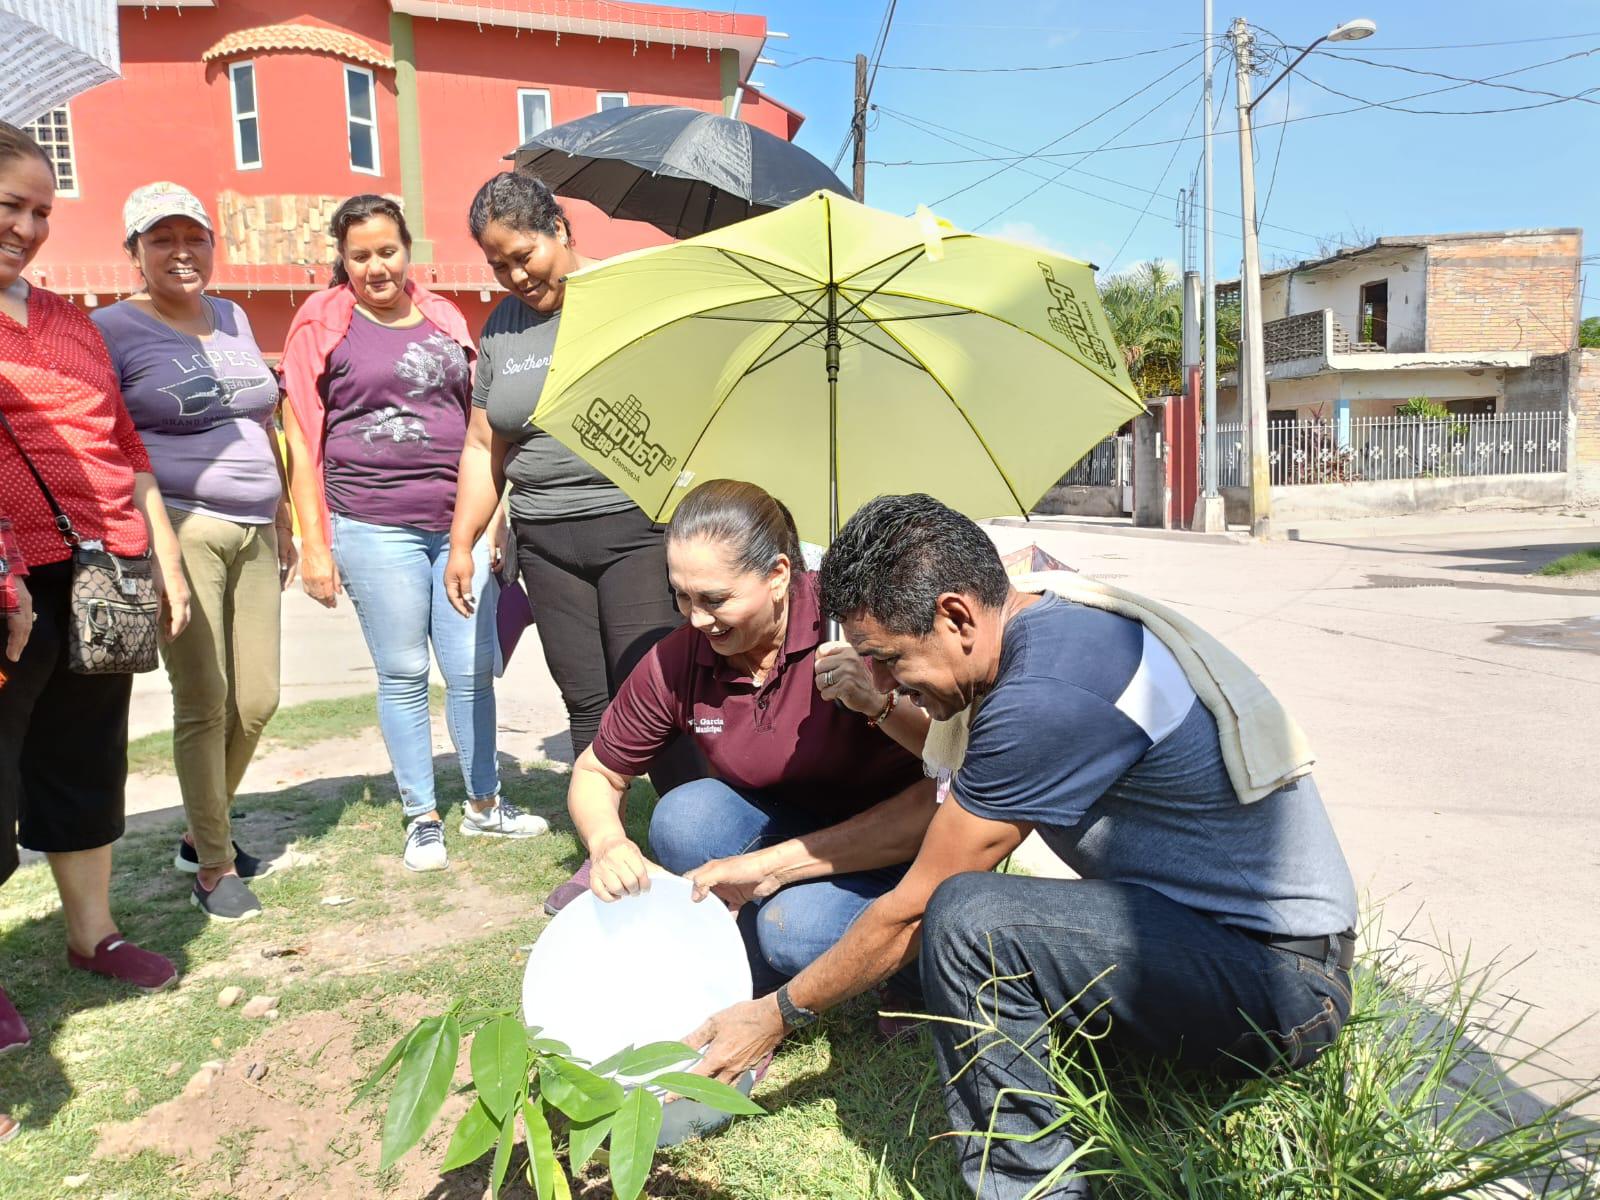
(114, 609)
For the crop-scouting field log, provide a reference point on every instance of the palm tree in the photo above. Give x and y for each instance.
(1145, 307)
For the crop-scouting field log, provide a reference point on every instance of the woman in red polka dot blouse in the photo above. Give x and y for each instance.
(64, 736)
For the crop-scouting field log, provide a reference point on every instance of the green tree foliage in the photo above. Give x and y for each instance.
(1589, 332)
(1145, 307)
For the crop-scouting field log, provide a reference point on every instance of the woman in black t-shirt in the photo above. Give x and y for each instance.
(592, 562)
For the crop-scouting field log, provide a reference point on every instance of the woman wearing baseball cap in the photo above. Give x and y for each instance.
(203, 399)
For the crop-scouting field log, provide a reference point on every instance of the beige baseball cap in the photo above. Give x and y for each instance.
(156, 201)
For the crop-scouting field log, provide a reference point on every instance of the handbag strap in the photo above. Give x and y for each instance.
(63, 522)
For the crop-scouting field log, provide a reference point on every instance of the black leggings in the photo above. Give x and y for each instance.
(63, 738)
(598, 586)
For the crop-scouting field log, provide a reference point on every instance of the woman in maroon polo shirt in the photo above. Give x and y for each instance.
(796, 775)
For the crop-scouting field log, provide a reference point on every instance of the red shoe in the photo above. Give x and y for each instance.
(13, 1029)
(122, 960)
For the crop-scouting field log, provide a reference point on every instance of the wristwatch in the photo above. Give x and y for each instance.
(793, 1015)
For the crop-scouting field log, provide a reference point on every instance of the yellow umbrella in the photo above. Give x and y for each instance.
(831, 353)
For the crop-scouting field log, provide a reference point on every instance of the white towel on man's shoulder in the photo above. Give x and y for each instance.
(1262, 747)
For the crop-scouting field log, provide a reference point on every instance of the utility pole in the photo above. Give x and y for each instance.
(1252, 356)
(858, 126)
(1209, 515)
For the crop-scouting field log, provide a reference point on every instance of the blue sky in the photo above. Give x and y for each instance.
(1375, 171)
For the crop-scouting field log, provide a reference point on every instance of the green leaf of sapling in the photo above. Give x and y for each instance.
(426, 1068)
(634, 1133)
(500, 1064)
(657, 1056)
(472, 1138)
(707, 1091)
(577, 1091)
(584, 1138)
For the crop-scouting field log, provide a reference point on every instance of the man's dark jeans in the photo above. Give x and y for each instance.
(1007, 951)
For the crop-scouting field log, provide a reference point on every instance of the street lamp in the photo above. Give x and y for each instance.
(1252, 361)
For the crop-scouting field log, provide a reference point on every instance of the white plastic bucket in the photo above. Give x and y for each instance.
(642, 969)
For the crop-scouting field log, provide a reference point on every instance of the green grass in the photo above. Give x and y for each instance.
(850, 1117)
(295, 725)
(1576, 563)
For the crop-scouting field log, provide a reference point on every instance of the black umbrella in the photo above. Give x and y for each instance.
(682, 170)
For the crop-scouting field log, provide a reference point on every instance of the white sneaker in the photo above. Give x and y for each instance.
(502, 819)
(425, 846)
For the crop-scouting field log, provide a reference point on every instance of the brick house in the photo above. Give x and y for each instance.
(1481, 322)
(1485, 324)
(273, 116)
(1472, 320)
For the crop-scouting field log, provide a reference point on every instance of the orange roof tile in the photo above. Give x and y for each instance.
(314, 38)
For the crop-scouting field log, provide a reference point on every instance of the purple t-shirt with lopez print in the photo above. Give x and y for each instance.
(202, 408)
(397, 403)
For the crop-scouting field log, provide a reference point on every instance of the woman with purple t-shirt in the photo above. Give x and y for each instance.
(378, 379)
(202, 399)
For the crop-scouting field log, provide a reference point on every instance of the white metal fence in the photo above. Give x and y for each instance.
(1382, 448)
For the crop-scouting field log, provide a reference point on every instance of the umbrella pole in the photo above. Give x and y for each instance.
(832, 351)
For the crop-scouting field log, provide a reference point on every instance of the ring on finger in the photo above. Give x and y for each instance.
(827, 678)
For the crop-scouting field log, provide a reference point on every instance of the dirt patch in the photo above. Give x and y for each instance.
(413, 925)
(270, 1122)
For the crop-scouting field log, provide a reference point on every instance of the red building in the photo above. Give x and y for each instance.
(273, 115)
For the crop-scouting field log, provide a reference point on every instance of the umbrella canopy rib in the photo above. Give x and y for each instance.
(738, 261)
(1022, 509)
(705, 427)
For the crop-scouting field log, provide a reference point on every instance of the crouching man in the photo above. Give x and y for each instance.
(1211, 923)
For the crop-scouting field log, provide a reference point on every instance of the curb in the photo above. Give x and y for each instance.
(1138, 531)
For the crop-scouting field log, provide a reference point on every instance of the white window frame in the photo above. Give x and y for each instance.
(523, 132)
(601, 98)
(49, 146)
(370, 122)
(254, 114)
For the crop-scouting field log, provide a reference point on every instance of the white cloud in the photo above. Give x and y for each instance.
(1029, 234)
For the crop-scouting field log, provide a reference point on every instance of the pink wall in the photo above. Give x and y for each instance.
(169, 117)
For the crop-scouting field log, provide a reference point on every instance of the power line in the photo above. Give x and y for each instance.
(1063, 137)
(1287, 120)
(1288, 85)
(1057, 182)
(1072, 66)
(1462, 79)
(883, 43)
(933, 128)
(1392, 106)
(1086, 154)
(1139, 220)
(877, 56)
(1557, 37)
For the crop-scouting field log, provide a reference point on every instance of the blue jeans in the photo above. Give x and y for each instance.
(1008, 951)
(394, 576)
(785, 932)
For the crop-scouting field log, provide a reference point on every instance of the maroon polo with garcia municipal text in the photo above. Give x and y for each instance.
(782, 738)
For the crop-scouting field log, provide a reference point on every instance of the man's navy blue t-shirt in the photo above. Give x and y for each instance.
(1093, 735)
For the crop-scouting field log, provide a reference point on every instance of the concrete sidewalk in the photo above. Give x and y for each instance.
(1474, 524)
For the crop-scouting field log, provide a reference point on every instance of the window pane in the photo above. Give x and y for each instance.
(361, 150)
(244, 89)
(249, 142)
(358, 86)
(54, 134)
(535, 114)
(612, 100)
